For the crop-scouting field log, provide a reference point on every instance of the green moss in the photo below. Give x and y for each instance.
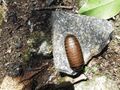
(60, 80)
(1, 19)
(35, 39)
(38, 38)
(2, 14)
(93, 69)
(26, 55)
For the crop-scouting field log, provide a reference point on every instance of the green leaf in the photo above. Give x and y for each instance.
(101, 8)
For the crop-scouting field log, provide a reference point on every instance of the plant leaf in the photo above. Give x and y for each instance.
(101, 8)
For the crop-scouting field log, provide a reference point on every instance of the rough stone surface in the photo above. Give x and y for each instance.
(45, 48)
(97, 83)
(10, 83)
(93, 35)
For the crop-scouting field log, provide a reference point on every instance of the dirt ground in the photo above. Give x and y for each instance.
(109, 61)
(24, 23)
(16, 36)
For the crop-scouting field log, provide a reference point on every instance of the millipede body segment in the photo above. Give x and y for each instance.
(73, 52)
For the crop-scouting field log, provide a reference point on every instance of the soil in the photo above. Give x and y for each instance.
(25, 22)
(108, 61)
(26, 28)
(16, 34)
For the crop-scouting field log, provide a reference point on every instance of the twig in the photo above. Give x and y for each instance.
(35, 73)
(54, 7)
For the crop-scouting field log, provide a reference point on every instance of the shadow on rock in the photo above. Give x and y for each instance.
(62, 86)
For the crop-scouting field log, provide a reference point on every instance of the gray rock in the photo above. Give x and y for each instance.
(45, 48)
(97, 83)
(93, 35)
(49, 2)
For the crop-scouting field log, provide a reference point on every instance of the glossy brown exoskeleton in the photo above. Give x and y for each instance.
(74, 52)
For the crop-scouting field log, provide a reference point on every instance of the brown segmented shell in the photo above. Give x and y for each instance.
(74, 52)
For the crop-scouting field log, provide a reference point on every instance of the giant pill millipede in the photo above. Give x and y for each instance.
(73, 52)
